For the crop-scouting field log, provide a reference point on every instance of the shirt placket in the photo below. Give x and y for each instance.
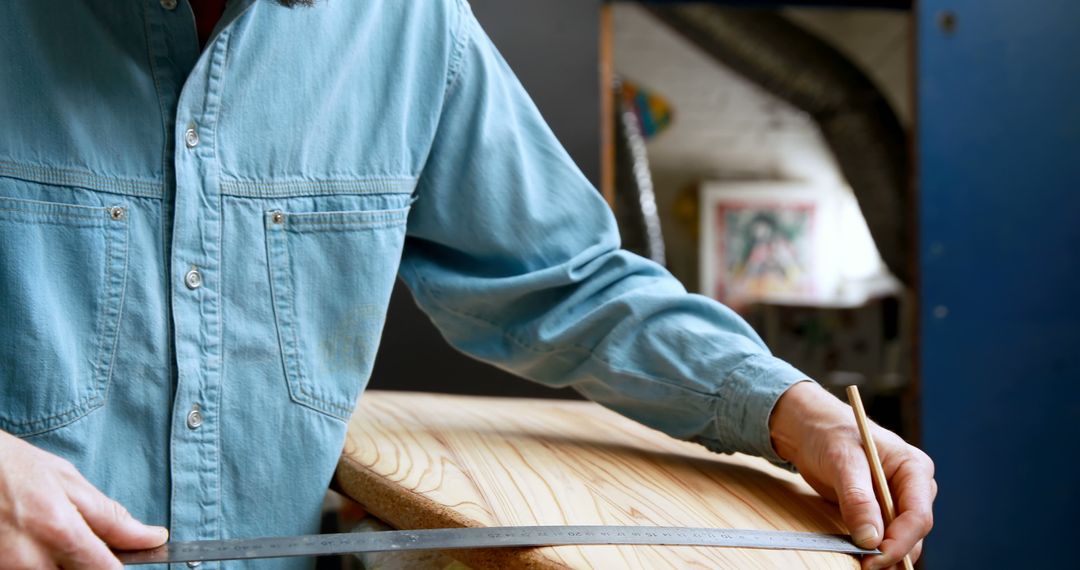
(194, 248)
(196, 304)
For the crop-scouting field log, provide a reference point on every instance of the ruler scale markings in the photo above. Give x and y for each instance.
(488, 537)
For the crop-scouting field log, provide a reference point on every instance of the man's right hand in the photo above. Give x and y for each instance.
(51, 517)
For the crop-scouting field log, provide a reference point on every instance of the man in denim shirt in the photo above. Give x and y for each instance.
(198, 245)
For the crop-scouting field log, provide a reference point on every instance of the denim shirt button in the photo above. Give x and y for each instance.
(169, 5)
(193, 279)
(194, 417)
(191, 137)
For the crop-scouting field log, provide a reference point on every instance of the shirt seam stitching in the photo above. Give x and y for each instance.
(70, 177)
(461, 39)
(255, 188)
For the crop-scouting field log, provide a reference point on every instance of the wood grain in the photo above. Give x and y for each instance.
(427, 461)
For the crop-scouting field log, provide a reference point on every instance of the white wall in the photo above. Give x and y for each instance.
(726, 128)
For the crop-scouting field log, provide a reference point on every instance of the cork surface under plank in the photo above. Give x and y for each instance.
(420, 460)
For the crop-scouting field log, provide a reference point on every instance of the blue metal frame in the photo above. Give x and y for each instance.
(999, 200)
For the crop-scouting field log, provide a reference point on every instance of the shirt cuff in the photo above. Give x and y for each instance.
(745, 405)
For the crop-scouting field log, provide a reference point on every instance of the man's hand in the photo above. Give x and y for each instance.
(51, 517)
(817, 432)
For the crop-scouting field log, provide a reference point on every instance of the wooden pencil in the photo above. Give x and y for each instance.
(876, 471)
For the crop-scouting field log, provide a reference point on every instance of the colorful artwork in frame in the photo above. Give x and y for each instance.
(759, 241)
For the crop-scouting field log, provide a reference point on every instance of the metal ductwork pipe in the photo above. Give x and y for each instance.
(857, 122)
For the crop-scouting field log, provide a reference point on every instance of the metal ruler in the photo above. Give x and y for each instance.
(487, 537)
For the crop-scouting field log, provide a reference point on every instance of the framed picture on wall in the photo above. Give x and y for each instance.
(759, 241)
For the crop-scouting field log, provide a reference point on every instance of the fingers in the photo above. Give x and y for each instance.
(111, 521)
(74, 545)
(900, 538)
(51, 517)
(915, 489)
(913, 485)
(916, 552)
(855, 493)
(56, 535)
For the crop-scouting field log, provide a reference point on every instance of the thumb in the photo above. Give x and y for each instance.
(111, 521)
(858, 504)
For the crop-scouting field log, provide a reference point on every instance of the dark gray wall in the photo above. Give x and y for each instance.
(552, 45)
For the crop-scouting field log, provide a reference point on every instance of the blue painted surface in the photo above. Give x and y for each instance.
(999, 147)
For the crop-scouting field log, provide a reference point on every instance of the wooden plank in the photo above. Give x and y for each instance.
(421, 460)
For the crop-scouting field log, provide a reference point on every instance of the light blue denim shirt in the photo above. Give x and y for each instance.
(198, 248)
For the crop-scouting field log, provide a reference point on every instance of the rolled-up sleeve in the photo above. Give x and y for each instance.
(516, 258)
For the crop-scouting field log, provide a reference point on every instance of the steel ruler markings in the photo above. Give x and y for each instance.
(488, 537)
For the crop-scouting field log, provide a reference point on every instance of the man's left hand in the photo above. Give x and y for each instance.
(817, 433)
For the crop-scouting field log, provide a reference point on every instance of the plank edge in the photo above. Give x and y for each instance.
(403, 508)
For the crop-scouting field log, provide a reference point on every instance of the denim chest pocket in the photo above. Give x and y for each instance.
(331, 275)
(62, 275)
